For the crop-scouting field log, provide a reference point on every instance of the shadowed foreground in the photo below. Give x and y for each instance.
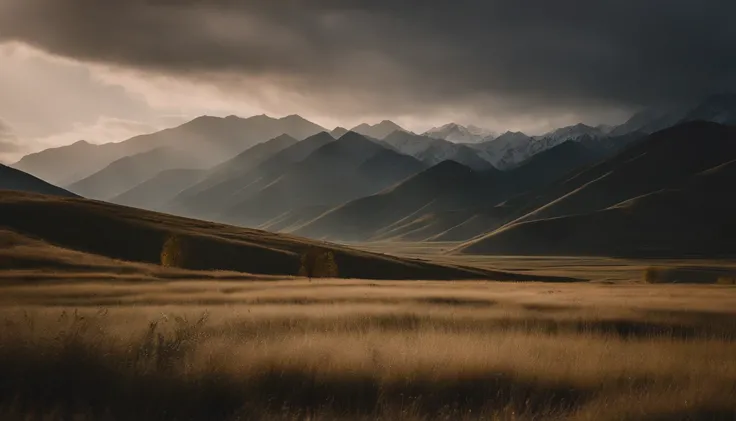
(352, 350)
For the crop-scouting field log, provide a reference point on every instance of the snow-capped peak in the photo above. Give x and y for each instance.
(480, 131)
(457, 133)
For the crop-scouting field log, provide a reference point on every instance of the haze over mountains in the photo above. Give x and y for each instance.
(433, 151)
(578, 189)
(377, 131)
(210, 140)
(128, 172)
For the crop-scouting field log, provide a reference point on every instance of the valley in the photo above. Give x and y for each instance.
(264, 210)
(295, 273)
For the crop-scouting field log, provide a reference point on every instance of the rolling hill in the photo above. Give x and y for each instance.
(16, 180)
(122, 233)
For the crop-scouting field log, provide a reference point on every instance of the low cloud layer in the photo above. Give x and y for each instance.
(6, 134)
(492, 60)
(9, 146)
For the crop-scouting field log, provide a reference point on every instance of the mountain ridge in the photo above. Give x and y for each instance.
(595, 197)
(210, 139)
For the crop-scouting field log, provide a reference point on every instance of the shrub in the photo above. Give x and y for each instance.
(726, 280)
(172, 252)
(318, 263)
(653, 275)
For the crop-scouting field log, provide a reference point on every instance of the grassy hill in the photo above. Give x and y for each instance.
(13, 179)
(134, 235)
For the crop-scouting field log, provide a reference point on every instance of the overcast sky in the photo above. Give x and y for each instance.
(104, 70)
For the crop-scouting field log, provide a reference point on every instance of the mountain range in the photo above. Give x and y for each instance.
(460, 134)
(667, 194)
(347, 168)
(128, 172)
(578, 189)
(433, 151)
(210, 140)
(376, 131)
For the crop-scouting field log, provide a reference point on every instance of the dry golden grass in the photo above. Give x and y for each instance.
(601, 269)
(354, 350)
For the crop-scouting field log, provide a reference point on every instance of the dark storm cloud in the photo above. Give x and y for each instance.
(532, 53)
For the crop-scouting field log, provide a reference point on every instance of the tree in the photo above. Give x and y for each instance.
(172, 252)
(318, 263)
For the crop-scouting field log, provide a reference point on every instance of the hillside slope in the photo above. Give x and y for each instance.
(445, 186)
(432, 151)
(693, 220)
(130, 234)
(342, 170)
(669, 193)
(663, 159)
(243, 162)
(235, 180)
(126, 173)
(27, 259)
(448, 202)
(13, 179)
(65, 165)
(159, 190)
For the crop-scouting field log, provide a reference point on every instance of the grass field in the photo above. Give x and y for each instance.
(596, 269)
(362, 350)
